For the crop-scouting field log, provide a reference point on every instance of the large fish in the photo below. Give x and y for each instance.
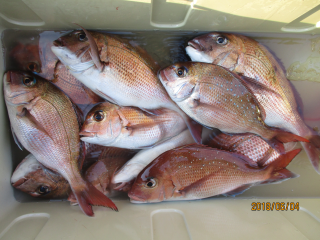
(217, 98)
(44, 121)
(117, 70)
(128, 127)
(249, 58)
(195, 172)
(250, 145)
(33, 178)
(41, 61)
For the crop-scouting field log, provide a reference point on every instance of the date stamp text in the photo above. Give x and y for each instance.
(275, 206)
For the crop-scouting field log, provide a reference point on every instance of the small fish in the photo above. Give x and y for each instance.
(117, 70)
(33, 178)
(217, 98)
(128, 127)
(41, 61)
(196, 172)
(247, 57)
(249, 145)
(44, 121)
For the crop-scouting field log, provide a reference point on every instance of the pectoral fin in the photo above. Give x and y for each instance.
(94, 52)
(33, 121)
(106, 97)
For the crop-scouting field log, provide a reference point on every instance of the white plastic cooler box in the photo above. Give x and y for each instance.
(290, 28)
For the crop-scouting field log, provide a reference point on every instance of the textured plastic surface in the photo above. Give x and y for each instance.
(215, 218)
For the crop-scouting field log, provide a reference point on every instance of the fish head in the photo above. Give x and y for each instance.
(179, 80)
(102, 124)
(22, 87)
(218, 48)
(34, 179)
(153, 184)
(26, 57)
(73, 49)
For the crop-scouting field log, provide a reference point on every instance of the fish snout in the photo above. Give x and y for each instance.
(163, 76)
(19, 182)
(7, 77)
(58, 43)
(87, 134)
(135, 198)
(195, 44)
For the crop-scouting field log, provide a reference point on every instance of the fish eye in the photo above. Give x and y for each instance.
(222, 40)
(29, 81)
(98, 116)
(33, 67)
(82, 37)
(151, 183)
(181, 72)
(44, 189)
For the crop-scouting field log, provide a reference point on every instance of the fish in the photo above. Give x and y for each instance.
(44, 121)
(249, 145)
(247, 57)
(217, 98)
(118, 70)
(110, 125)
(196, 171)
(33, 178)
(40, 60)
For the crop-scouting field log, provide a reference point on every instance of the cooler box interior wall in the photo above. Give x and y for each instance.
(290, 29)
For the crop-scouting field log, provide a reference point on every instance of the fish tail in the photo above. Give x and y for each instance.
(279, 176)
(284, 137)
(90, 196)
(277, 172)
(314, 155)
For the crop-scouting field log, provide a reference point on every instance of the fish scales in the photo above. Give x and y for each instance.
(249, 145)
(215, 97)
(247, 57)
(196, 171)
(118, 70)
(45, 122)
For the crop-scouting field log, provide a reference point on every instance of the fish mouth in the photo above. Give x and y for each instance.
(88, 134)
(195, 45)
(162, 76)
(19, 182)
(57, 43)
(135, 199)
(16, 94)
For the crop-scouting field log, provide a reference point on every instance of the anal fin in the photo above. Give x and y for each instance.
(238, 190)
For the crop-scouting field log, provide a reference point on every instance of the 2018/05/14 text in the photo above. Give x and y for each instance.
(274, 206)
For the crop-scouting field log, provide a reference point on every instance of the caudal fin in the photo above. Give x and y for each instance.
(283, 160)
(313, 154)
(280, 176)
(277, 168)
(90, 196)
(285, 137)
